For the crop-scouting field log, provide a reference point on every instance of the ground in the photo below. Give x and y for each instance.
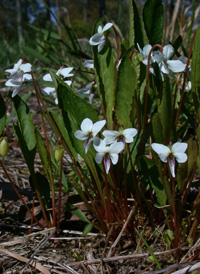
(26, 248)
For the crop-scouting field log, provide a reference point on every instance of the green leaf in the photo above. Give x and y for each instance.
(87, 229)
(165, 110)
(25, 121)
(77, 212)
(42, 187)
(29, 155)
(126, 85)
(105, 76)
(12, 114)
(137, 32)
(44, 156)
(149, 248)
(62, 129)
(157, 129)
(185, 169)
(71, 37)
(149, 174)
(27, 50)
(50, 33)
(168, 237)
(2, 114)
(153, 20)
(74, 111)
(70, 102)
(195, 72)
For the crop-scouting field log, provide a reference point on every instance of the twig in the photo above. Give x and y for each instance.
(38, 247)
(170, 268)
(68, 268)
(191, 249)
(121, 232)
(127, 257)
(188, 269)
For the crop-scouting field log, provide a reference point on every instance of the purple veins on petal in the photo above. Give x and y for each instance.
(171, 161)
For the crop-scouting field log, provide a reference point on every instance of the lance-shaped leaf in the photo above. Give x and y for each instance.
(76, 212)
(126, 85)
(58, 120)
(42, 187)
(195, 71)
(153, 20)
(104, 70)
(185, 170)
(137, 33)
(25, 122)
(165, 110)
(74, 111)
(44, 156)
(2, 114)
(157, 129)
(29, 155)
(150, 175)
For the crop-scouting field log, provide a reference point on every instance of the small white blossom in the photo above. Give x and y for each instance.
(169, 155)
(164, 62)
(18, 76)
(90, 89)
(19, 67)
(62, 73)
(89, 64)
(145, 54)
(123, 135)
(107, 153)
(98, 39)
(88, 131)
(18, 82)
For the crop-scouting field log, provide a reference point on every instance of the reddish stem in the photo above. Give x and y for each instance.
(184, 79)
(146, 97)
(59, 196)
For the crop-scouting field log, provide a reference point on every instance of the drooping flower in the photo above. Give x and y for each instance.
(90, 89)
(62, 73)
(107, 154)
(65, 72)
(177, 152)
(88, 131)
(18, 75)
(123, 135)
(145, 54)
(188, 85)
(89, 64)
(17, 82)
(164, 62)
(19, 67)
(98, 39)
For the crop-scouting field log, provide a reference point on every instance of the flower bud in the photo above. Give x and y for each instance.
(3, 146)
(59, 151)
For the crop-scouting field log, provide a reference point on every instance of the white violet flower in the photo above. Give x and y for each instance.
(164, 62)
(62, 73)
(123, 135)
(18, 75)
(88, 131)
(90, 89)
(19, 67)
(145, 54)
(98, 39)
(107, 153)
(89, 64)
(169, 155)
